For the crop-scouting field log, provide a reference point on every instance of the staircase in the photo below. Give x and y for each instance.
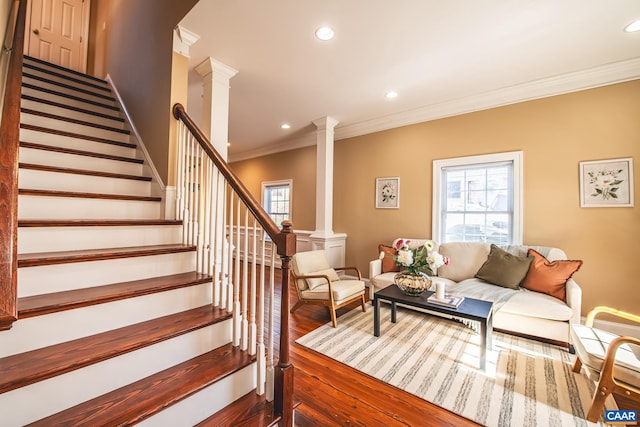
(115, 325)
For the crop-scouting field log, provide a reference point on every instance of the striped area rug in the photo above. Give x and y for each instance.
(527, 383)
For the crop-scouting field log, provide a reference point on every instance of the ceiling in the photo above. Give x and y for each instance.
(442, 57)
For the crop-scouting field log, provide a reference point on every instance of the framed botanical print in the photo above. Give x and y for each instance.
(606, 183)
(388, 193)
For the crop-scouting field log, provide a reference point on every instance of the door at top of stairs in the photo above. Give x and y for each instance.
(57, 32)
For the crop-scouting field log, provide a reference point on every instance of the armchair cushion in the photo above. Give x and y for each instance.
(314, 282)
(549, 277)
(342, 290)
(591, 347)
(504, 269)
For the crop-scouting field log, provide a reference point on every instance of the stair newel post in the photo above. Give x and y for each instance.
(283, 403)
(245, 283)
(253, 333)
(270, 338)
(261, 348)
(237, 314)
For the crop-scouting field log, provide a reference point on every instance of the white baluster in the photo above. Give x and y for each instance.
(245, 283)
(270, 359)
(252, 312)
(237, 312)
(261, 348)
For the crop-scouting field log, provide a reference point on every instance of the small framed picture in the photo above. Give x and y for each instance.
(388, 193)
(606, 183)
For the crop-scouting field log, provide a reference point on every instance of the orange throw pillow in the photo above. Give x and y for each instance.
(549, 277)
(388, 263)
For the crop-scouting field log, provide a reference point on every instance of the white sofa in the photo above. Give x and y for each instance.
(524, 311)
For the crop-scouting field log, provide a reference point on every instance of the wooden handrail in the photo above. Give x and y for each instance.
(9, 140)
(285, 241)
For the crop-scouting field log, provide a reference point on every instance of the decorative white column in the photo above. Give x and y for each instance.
(323, 237)
(215, 102)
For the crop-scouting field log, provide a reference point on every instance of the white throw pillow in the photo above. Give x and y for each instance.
(315, 282)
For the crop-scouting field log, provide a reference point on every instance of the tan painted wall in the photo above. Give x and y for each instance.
(301, 169)
(132, 41)
(179, 89)
(554, 133)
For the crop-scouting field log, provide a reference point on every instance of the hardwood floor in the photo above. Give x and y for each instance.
(333, 394)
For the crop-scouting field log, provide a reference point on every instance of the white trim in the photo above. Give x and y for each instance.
(183, 39)
(608, 74)
(518, 205)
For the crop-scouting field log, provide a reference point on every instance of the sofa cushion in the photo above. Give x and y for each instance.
(504, 269)
(466, 259)
(317, 281)
(549, 277)
(535, 304)
(388, 262)
(342, 290)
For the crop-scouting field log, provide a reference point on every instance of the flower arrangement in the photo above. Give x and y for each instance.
(423, 259)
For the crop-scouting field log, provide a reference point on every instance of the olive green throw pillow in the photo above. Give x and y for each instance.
(504, 269)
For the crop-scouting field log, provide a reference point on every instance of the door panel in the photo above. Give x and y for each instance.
(57, 32)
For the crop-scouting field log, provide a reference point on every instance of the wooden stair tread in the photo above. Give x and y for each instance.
(28, 75)
(250, 410)
(68, 96)
(138, 401)
(95, 222)
(76, 135)
(103, 87)
(65, 257)
(59, 67)
(45, 168)
(74, 121)
(45, 147)
(71, 107)
(22, 369)
(74, 194)
(54, 302)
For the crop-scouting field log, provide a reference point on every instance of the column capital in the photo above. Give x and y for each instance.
(183, 39)
(325, 122)
(212, 67)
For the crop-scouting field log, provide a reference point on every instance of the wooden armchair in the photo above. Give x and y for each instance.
(318, 283)
(611, 360)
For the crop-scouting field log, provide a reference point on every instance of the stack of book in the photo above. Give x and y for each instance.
(451, 301)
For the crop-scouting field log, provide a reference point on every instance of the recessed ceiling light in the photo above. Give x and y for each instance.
(634, 26)
(325, 33)
(391, 94)
(285, 126)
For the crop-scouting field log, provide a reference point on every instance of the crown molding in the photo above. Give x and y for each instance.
(604, 75)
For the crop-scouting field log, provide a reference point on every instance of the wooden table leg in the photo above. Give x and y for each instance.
(393, 312)
(376, 316)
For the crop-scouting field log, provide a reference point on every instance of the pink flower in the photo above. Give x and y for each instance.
(401, 243)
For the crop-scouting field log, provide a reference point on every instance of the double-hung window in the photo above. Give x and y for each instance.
(478, 199)
(276, 200)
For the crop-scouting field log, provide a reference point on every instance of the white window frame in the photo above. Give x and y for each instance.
(515, 157)
(288, 182)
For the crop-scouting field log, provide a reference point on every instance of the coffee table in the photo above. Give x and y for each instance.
(470, 309)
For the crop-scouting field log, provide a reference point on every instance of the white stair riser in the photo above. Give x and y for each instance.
(63, 277)
(80, 129)
(65, 160)
(45, 207)
(206, 402)
(45, 180)
(52, 239)
(44, 138)
(72, 114)
(85, 96)
(71, 102)
(44, 398)
(42, 331)
(90, 86)
(63, 72)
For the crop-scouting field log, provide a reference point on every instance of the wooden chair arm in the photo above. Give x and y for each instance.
(603, 309)
(357, 270)
(609, 358)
